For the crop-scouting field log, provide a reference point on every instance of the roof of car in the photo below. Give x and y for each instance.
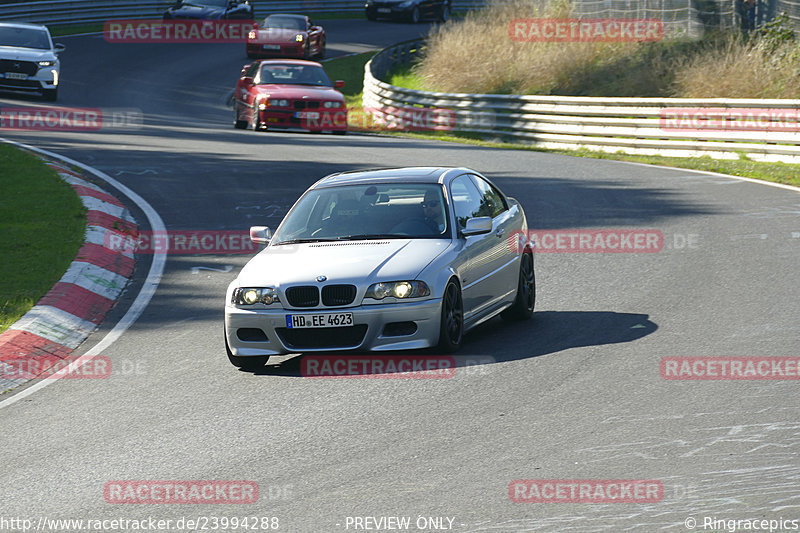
(286, 15)
(399, 175)
(287, 62)
(23, 25)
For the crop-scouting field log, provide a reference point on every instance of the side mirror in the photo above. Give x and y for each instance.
(59, 47)
(260, 234)
(338, 84)
(477, 226)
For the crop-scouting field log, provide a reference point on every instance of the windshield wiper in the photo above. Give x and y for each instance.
(301, 241)
(370, 236)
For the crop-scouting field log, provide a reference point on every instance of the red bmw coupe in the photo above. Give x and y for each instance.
(288, 93)
(286, 36)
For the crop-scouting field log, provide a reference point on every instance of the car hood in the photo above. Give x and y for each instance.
(26, 54)
(197, 12)
(279, 35)
(280, 90)
(342, 261)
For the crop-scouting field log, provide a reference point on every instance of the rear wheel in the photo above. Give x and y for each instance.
(237, 122)
(522, 308)
(250, 364)
(415, 16)
(451, 330)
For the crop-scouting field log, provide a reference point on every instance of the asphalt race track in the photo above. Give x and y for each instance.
(575, 394)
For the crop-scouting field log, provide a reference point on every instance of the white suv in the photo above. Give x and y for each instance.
(28, 60)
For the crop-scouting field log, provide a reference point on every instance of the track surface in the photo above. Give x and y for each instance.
(574, 394)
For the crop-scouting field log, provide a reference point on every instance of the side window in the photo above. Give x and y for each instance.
(251, 70)
(466, 199)
(492, 203)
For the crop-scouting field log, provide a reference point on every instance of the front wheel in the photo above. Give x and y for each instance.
(415, 16)
(451, 330)
(321, 53)
(522, 308)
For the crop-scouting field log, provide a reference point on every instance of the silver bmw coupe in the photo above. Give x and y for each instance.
(381, 260)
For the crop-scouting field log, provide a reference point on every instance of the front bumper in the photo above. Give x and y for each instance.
(371, 319)
(324, 120)
(297, 50)
(45, 78)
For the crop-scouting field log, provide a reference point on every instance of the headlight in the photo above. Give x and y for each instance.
(332, 104)
(252, 35)
(254, 295)
(398, 289)
(46, 63)
(278, 103)
(299, 37)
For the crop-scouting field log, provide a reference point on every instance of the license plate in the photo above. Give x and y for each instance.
(384, 10)
(327, 320)
(270, 47)
(16, 76)
(307, 114)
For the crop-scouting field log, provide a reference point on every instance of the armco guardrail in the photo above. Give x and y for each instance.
(54, 12)
(764, 130)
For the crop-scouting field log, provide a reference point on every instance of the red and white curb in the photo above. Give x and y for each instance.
(79, 302)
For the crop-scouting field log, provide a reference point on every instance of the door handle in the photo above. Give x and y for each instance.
(499, 232)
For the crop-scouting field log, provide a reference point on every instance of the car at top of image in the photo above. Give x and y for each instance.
(382, 260)
(29, 60)
(284, 35)
(413, 11)
(210, 10)
(288, 93)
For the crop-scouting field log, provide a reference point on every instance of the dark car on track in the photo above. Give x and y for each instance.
(282, 35)
(411, 10)
(210, 10)
(288, 93)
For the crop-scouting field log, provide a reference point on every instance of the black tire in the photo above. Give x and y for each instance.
(445, 15)
(451, 329)
(321, 53)
(50, 95)
(250, 364)
(339, 132)
(238, 124)
(522, 308)
(307, 51)
(370, 17)
(415, 16)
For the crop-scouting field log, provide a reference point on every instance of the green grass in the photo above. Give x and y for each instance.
(351, 70)
(41, 229)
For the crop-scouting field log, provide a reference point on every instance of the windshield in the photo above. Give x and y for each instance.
(362, 212)
(24, 38)
(294, 74)
(285, 23)
(209, 3)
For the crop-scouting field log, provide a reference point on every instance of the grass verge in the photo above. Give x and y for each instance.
(351, 69)
(41, 230)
